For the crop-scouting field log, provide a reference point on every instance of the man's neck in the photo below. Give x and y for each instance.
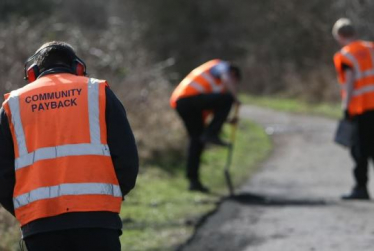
(347, 41)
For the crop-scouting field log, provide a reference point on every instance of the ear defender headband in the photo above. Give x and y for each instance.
(32, 73)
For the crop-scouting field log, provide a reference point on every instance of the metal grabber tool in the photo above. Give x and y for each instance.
(234, 127)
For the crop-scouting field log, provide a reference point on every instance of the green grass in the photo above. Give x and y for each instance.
(160, 213)
(330, 110)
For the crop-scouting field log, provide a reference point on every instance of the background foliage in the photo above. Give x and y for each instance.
(145, 47)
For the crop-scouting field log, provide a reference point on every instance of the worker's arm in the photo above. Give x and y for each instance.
(222, 71)
(349, 87)
(121, 143)
(7, 172)
(230, 85)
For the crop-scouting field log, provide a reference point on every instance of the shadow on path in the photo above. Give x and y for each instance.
(246, 199)
(263, 200)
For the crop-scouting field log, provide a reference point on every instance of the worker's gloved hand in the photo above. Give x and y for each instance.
(346, 115)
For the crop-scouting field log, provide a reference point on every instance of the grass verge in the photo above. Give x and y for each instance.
(160, 213)
(9, 232)
(330, 110)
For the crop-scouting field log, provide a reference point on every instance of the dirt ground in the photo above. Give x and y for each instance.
(293, 202)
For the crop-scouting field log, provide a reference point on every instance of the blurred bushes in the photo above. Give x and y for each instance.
(13, 9)
(107, 37)
(145, 47)
(192, 32)
(284, 47)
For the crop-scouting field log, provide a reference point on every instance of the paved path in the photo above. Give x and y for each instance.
(292, 203)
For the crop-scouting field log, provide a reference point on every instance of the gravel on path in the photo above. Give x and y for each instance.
(293, 202)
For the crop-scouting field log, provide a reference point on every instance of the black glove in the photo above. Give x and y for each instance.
(346, 115)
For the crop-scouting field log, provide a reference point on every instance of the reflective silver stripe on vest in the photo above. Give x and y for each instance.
(357, 70)
(365, 74)
(356, 66)
(370, 72)
(361, 74)
(212, 82)
(197, 87)
(93, 110)
(61, 151)
(371, 49)
(17, 122)
(93, 148)
(66, 189)
(363, 90)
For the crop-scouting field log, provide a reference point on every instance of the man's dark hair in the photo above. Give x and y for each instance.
(343, 28)
(54, 54)
(235, 70)
(347, 31)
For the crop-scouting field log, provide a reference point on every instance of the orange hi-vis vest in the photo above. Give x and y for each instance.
(62, 160)
(199, 81)
(358, 55)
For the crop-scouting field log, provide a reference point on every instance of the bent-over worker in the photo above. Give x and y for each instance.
(210, 88)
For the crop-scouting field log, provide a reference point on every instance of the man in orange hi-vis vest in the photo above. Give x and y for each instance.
(67, 155)
(210, 88)
(354, 64)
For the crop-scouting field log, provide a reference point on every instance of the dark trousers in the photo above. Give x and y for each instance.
(191, 109)
(81, 239)
(363, 148)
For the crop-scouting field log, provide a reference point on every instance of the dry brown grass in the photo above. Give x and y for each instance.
(112, 50)
(9, 231)
(144, 47)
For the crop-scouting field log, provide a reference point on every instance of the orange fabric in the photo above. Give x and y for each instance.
(30, 117)
(185, 89)
(67, 204)
(74, 169)
(206, 114)
(362, 52)
(65, 125)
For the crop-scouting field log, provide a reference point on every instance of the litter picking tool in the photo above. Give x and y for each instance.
(234, 127)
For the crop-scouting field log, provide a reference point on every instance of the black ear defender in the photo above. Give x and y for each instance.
(33, 72)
